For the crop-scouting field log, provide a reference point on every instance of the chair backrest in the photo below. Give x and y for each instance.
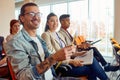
(117, 57)
(12, 74)
(1, 46)
(79, 39)
(113, 41)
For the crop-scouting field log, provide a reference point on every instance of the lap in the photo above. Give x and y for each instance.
(79, 71)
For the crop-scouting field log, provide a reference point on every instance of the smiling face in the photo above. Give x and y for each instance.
(53, 23)
(31, 18)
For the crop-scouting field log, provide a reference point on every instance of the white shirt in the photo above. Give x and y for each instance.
(48, 73)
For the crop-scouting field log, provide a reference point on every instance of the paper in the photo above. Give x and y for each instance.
(3, 65)
(87, 58)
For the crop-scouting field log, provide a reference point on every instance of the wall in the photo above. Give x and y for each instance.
(8, 8)
(117, 21)
(7, 12)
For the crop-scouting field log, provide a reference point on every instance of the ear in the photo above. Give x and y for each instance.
(22, 19)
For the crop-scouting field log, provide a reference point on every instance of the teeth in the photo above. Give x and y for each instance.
(35, 22)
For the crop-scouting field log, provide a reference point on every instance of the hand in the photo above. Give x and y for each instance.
(76, 63)
(84, 45)
(73, 48)
(82, 53)
(64, 53)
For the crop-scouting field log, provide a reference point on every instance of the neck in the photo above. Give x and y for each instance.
(52, 31)
(13, 33)
(64, 28)
(32, 32)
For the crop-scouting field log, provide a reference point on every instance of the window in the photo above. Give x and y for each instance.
(92, 18)
(45, 10)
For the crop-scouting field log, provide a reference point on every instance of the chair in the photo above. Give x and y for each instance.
(116, 49)
(6, 72)
(12, 74)
(60, 71)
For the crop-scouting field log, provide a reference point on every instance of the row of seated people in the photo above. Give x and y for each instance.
(56, 40)
(28, 67)
(82, 43)
(54, 58)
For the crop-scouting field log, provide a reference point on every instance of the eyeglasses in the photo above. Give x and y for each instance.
(32, 14)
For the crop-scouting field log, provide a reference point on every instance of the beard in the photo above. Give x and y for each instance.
(35, 24)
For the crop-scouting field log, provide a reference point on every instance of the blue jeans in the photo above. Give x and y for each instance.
(92, 71)
(98, 56)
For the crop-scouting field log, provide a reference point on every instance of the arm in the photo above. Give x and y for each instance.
(20, 61)
(60, 55)
(47, 39)
(78, 54)
(84, 45)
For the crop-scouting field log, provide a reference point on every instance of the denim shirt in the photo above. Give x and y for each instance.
(23, 56)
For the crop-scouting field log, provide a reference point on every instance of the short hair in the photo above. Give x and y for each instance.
(63, 16)
(22, 11)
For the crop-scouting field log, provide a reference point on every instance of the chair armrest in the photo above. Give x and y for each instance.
(61, 70)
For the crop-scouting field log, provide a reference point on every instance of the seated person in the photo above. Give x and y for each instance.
(55, 41)
(27, 52)
(2, 53)
(65, 23)
(14, 28)
(4, 72)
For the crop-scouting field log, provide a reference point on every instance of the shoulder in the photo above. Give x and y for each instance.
(62, 32)
(9, 37)
(17, 40)
(45, 33)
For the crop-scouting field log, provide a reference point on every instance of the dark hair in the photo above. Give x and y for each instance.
(48, 17)
(12, 22)
(22, 11)
(63, 16)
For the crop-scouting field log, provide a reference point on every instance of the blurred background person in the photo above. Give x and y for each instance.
(14, 28)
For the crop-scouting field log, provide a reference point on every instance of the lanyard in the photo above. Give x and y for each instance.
(59, 40)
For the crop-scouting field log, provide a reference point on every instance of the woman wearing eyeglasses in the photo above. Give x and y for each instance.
(55, 41)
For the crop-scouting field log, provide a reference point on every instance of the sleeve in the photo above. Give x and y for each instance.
(49, 45)
(19, 60)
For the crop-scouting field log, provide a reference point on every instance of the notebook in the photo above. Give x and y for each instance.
(87, 58)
